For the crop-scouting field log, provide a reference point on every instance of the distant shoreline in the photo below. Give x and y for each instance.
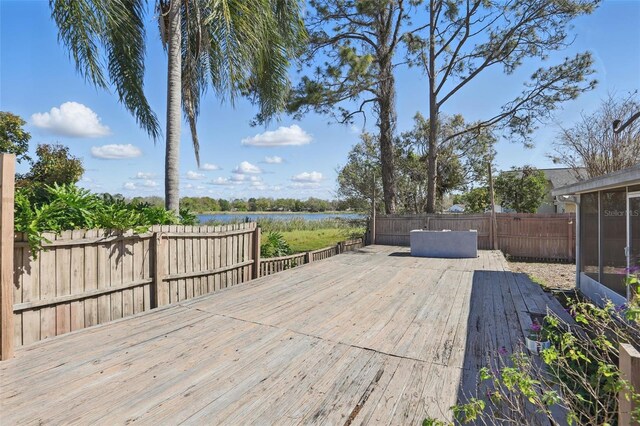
(275, 212)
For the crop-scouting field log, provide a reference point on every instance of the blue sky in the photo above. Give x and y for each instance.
(38, 81)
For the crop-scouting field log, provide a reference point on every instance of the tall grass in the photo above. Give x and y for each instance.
(299, 224)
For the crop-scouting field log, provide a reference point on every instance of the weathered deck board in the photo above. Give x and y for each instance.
(375, 336)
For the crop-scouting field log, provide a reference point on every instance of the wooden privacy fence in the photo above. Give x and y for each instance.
(90, 277)
(521, 235)
(273, 265)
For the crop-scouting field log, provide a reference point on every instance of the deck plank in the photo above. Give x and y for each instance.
(374, 336)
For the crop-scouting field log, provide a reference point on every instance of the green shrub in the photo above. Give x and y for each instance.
(579, 378)
(68, 207)
(275, 245)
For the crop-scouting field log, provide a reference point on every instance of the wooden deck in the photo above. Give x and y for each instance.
(374, 336)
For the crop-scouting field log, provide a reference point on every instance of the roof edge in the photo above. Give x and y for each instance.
(630, 176)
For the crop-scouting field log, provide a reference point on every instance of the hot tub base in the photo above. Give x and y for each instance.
(449, 244)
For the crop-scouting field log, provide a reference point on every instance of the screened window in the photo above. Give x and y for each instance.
(613, 221)
(589, 235)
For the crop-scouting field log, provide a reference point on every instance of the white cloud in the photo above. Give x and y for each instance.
(71, 119)
(116, 152)
(209, 167)
(247, 168)
(314, 177)
(273, 160)
(147, 184)
(244, 178)
(191, 175)
(304, 185)
(220, 181)
(143, 175)
(284, 136)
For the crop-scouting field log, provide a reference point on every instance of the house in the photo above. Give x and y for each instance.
(557, 178)
(608, 232)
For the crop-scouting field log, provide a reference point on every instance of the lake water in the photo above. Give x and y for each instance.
(252, 217)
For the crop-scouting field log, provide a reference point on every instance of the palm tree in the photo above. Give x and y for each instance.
(235, 47)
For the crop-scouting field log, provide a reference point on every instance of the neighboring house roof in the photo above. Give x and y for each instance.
(630, 176)
(564, 176)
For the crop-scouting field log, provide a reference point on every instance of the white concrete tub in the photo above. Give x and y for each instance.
(451, 244)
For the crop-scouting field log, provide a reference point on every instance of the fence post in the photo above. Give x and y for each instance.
(7, 183)
(256, 253)
(308, 257)
(570, 244)
(629, 364)
(161, 295)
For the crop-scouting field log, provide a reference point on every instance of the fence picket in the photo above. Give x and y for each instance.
(521, 235)
(88, 277)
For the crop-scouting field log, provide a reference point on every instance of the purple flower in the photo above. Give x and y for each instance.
(502, 350)
(535, 327)
(633, 269)
(621, 308)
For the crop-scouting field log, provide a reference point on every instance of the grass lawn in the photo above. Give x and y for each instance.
(307, 240)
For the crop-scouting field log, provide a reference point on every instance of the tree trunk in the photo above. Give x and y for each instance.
(174, 115)
(387, 121)
(432, 158)
(387, 109)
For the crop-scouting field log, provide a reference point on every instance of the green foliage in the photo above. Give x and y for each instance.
(359, 179)
(274, 245)
(225, 205)
(152, 200)
(580, 379)
(263, 204)
(68, 207)
(300, 224)
(350, 70)
(460, 161)
(475, 201)
(239, 205)
(54, 166)
(632, 310)
(200, 204)
(13, 138)
(522, 190)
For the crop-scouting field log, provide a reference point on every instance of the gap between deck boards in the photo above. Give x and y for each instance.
(231, 317)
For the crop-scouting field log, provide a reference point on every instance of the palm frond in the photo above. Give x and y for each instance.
(194, 67)
(125, 47)
(79, 29)
(109, 34)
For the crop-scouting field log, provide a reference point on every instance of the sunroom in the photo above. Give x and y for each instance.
(607, 232)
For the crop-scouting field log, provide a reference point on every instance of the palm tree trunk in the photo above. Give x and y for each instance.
(174, 117)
